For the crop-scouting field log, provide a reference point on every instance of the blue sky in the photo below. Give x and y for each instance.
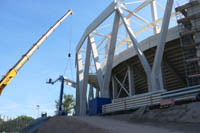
(22, 22)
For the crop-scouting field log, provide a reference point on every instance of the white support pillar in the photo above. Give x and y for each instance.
(85, 80)
(140, 53)
(114, 88)
(97, 92)
(77, 94)
(156, 28)
(131, 81)
(108, 68)
(97, 64)
(106, 53)
(157, 81)
(79, 81)
(91, 93)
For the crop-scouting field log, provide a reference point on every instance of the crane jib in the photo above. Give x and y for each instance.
(6, 79)
(10, 74)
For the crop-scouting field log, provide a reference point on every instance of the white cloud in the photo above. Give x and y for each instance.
(28, 107)
(8, 105)
(3, 111)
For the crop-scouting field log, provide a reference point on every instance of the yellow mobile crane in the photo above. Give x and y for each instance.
(13, 71)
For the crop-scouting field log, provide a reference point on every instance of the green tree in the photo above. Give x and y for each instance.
(16, 124)
(68, 103)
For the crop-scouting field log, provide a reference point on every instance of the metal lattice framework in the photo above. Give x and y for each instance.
(102, 41)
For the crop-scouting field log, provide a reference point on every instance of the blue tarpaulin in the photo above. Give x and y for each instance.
(95, 105)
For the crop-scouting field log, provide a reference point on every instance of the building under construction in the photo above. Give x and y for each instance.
(134, 54)
(118, 63)
(135, 58)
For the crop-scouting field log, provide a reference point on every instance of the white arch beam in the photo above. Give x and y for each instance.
(111, 51)
(85, 80)
(97, 64)
(79, 80)
(105, 14)
(156, 78)
(140, 54)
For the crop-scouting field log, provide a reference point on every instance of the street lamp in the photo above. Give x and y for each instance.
(38, 109)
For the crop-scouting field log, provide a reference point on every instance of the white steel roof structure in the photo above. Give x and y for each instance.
(121, 27)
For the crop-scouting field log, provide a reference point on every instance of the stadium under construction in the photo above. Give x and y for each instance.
(117, 62)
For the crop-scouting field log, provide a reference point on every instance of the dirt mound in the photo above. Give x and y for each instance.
(33, 127)
(171, 120)
(181, 113)
(63, 124)
(186, 113)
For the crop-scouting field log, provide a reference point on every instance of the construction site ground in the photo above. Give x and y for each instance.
(176, 119)
(185, 113)
(64, 124)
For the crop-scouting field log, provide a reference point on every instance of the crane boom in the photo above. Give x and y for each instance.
(13, 71)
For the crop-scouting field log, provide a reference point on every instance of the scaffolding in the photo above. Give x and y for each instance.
(188, 19)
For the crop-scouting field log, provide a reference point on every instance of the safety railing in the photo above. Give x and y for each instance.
(150, 99)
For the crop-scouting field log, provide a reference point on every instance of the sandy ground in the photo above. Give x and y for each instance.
(32, 128)
(169, 126)
(63, 124)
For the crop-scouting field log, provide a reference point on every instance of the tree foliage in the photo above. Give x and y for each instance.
(15, 125)
(68, 103)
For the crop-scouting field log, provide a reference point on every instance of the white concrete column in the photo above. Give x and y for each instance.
(97, 93)
(114, 88)
(97, 64)
(77, 94)
(156, 28)
(108, 67)
(85, 80)
(91, 93)
(79, 81)
(131, 81)
(161, 79)
(157, 81)
(106, 53)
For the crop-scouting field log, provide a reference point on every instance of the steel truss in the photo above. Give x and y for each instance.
(122, 35)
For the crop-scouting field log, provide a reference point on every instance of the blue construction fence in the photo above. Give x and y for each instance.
(95, 105)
